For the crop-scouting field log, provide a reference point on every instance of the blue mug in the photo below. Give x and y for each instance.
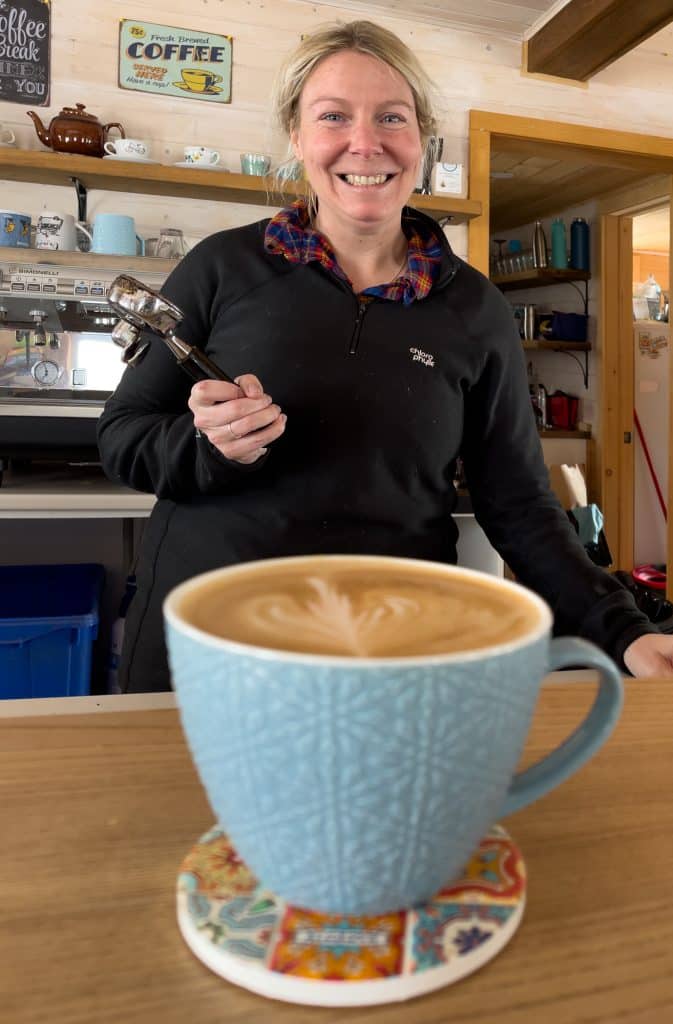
(15, 229)
(114, 233)
(362, 785)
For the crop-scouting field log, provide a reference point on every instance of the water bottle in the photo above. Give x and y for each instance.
(559, 255)
(539, 246)
(579, 244)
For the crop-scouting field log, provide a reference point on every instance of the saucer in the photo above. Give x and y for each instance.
(200, 167)
(248, 935)
(197, 92)
(130, 159)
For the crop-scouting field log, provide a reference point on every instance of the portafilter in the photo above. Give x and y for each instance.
(141, 308)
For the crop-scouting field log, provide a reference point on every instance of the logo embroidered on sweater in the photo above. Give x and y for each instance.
(419, 356)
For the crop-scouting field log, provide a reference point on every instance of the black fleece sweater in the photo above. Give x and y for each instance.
(380, 399)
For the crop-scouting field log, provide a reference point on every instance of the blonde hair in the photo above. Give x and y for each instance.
(363, 37)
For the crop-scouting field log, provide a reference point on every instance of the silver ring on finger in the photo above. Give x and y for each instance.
(235, 436)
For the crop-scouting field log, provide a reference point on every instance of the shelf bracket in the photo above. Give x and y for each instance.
(81, 190)
(584, 369)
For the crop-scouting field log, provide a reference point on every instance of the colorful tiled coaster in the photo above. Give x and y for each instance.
(249, 936)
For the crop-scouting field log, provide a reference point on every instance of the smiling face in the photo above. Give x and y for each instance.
(359, 140)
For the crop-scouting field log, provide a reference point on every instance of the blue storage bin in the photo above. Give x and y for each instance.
(48, 623)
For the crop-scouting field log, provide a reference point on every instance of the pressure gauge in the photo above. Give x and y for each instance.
(46, 372)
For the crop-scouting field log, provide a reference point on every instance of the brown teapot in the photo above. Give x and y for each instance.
(73, 131)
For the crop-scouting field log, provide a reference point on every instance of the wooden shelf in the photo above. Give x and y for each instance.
(540, 278)
(549, 434)
(50, 168)
(86, 260)
(558, 346)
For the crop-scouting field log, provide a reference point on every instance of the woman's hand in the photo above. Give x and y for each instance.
(238, 419)
(650, 655)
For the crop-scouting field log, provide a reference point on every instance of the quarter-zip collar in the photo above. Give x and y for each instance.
(430, 260)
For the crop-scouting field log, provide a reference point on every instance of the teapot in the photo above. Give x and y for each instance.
(74, 131)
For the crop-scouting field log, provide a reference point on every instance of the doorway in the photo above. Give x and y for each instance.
(649, 160)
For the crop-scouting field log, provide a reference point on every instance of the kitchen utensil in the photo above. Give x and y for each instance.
(201, 155)
(559, 254)
(171, 244)
(529, 322)
(128, 149)
(140, 307)
(15, 229)
(74, 131)
(579, 244)
(116, 233)
(58, 231)
(255, 163)
(539, 246)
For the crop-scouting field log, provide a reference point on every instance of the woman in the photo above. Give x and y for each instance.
(367, 358)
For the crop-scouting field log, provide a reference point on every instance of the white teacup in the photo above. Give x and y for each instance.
(58, 231)
(7, 136)
(201, 155)
(128, 149)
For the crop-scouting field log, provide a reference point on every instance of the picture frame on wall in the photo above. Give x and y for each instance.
(25, 52)
(177, 62)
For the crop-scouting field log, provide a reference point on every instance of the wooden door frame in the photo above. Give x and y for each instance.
(612, 466)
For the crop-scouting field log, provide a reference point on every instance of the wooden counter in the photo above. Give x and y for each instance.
(98, 811)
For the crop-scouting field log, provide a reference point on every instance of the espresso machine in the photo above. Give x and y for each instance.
(58, 360)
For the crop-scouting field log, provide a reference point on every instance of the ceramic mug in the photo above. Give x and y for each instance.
(201, 155)
(7, 136)
(114, 233)
(58, 231)
(362, 785)
(128, 149)
(255, 163)
(15, 229)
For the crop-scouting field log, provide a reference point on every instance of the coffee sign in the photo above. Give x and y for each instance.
(24, 51)
(174, 61)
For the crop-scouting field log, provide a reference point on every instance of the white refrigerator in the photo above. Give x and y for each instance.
(651, 387)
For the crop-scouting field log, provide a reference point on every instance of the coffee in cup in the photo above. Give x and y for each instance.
(357, 721)
(345, 609)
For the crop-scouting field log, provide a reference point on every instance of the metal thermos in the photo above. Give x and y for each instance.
(529, 322)
(539, 246)
(579, 244)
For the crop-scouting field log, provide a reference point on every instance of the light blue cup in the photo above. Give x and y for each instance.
(114, 233)
(361, 786)
(15, 229)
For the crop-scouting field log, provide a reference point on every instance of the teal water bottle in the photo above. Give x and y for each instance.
(579, 244)
(559, 253)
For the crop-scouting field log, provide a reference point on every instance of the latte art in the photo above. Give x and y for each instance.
(332, 621)
(351, 610)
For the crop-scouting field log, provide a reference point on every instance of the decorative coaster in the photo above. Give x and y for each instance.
(249, 936)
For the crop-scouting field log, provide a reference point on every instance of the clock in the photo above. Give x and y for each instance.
(46, 372)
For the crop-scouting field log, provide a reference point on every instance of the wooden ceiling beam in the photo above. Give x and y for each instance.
(588, 35)
(581, 155)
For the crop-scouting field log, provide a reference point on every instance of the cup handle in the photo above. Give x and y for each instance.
(80, 227)
(215, 159)
(10, 137)
(141, 245)
(109, 147)
(587, 738)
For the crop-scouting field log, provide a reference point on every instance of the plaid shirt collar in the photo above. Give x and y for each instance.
(290, 234)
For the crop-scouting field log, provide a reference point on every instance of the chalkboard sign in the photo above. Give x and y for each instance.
(25, 34)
